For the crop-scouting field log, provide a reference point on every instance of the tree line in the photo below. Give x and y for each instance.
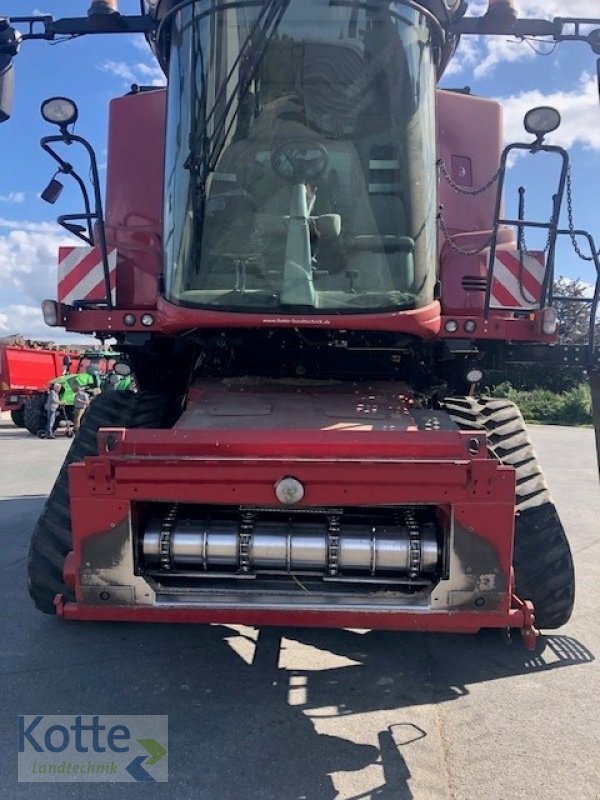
(557, 396)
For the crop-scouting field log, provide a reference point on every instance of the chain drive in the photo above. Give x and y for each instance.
(246, 528)
(411, 524)
(333, 545)
(164, 542)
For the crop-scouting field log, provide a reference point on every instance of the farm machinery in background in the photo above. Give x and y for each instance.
(303, 252)
(94, 371)
(26, 367)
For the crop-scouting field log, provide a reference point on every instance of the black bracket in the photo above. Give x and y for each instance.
(559, 355)
(555, 29)
(45, 27)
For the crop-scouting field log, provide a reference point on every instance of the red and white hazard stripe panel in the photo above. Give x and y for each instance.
(81, 274)
(517, 279)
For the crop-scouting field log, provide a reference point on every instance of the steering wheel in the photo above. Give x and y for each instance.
(299, 160)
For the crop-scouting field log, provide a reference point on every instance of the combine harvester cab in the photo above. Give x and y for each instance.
(308, 331)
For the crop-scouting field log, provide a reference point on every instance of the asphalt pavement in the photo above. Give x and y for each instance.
(298, 714)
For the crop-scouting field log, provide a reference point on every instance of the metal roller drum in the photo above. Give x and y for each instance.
(282, 546)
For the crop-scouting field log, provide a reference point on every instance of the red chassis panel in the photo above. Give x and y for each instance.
(449, 469)
(425, 322)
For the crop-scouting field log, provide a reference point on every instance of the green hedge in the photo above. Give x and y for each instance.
(573, 407)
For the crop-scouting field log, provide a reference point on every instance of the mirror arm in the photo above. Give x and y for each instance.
(98, 214)
(80, 26)
(66, 220)
(67, 169)
(98, 209)
(524, 28)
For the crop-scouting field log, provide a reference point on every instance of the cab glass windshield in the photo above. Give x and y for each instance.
(300, 158)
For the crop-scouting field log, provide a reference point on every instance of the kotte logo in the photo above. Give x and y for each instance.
(97, 748)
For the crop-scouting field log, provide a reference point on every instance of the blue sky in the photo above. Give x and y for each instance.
(92, 70)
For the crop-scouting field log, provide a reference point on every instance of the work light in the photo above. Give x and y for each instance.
(59, 111)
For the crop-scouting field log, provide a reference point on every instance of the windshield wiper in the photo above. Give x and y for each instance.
(271, 13)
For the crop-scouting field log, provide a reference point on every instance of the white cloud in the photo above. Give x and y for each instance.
(18, 318)
(28, 260)
(579, 110)
(138, 40)
(27, 320)
(545, 9)
(33, 227)
(144, 70)
(478, 56)
(477, 8)
(499, 50)
(140, 73)
(12, 197)
(466, 57)
(28, 267)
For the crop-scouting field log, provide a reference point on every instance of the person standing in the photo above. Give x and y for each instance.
(80, 403)
(52, 406)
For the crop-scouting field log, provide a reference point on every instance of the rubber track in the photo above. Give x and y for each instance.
(508, 441)
(51, 539)
(542, 558)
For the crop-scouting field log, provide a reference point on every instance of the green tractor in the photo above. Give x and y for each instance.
(97, 372)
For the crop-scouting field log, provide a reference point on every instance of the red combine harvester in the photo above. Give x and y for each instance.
(25, 369)
(303, 252)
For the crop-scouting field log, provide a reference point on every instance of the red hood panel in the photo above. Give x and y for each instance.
(303, 405)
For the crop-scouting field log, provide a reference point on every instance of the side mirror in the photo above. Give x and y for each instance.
(9, 47)
(7, 86)
(52, 192)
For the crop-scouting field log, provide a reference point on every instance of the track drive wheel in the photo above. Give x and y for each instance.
(34, 413)
(18, 416)
(51, 539)
(542, 558)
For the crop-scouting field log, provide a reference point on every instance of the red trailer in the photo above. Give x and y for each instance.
(25, 369)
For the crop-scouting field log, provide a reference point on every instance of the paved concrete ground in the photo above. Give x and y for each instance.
(315, 715)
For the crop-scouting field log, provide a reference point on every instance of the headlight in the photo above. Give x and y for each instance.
(51, 313)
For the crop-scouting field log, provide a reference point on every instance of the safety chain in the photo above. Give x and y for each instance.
(333, 548)
(523, 244)
(572, 218)
(440, 164)
(453, 246)
(246, 529)
(461, 189)
(164, 541)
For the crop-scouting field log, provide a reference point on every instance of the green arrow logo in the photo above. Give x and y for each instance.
(156, 751)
